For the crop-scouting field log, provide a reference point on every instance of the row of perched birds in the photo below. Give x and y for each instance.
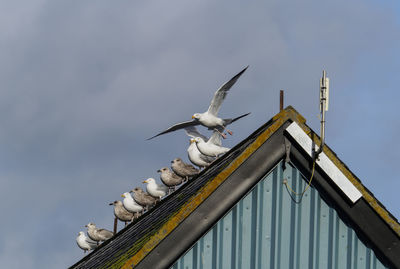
(202, 151)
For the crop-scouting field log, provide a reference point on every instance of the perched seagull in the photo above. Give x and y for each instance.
(183, 169)
(210, 118)
(121, 213)
(131, 205)
(85, 243)
(142, 198)
(194, 155)
(209, 148)
(154, 189)
(98, 234)
(169, 178)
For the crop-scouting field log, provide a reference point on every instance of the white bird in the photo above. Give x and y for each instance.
(211, 147)
(98, 234)
(194, 155)
(154, 189)
(85, 243)
(210, 118)
(130, 205)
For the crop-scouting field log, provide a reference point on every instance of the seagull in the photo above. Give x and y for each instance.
(85, 243)
(183, 169)
(131, 205)
(194, 155)
(121, 213)
(209, 148)
(98, 234)
(154, 189)
(142, 198)
(169, 178)
(210, 118)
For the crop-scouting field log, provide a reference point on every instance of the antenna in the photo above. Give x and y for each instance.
(323, 107)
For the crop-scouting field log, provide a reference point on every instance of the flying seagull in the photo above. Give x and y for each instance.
(210, 117)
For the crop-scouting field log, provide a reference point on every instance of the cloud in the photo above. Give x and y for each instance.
(85, 83)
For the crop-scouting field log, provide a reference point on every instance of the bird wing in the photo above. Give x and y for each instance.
(192, 131)
(229, 121)
(216, 138)
(207, 159)
(221, 93)
(177, 126)
(90, 241)
(162, 188)
(189, 167)
(105, 233)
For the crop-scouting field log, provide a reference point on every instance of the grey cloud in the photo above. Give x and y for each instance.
(85, 83)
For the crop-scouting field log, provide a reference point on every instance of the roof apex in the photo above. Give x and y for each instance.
(188, 198)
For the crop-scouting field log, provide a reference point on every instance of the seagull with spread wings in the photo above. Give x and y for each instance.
(210, 118)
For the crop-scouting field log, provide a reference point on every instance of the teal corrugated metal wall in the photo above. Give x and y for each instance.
(266, 229)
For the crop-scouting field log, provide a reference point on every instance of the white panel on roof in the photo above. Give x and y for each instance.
(324, 163)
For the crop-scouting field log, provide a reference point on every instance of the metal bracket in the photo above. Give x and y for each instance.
(288, 145)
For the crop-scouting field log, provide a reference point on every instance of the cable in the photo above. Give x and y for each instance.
(289, 189)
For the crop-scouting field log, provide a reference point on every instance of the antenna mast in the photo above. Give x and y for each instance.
(323, 107)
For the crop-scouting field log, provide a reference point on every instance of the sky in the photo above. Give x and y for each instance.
(84, 83)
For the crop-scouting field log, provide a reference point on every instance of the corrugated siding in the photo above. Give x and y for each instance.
(266, 229)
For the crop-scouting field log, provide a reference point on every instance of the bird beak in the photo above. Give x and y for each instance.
(122, 195)
(145, 181)
(193, 117)
(158, 171)
(110, 203)
(130, 191)
(86, 225)
(172, 161)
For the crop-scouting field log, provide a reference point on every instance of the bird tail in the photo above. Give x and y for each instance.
(229, 121)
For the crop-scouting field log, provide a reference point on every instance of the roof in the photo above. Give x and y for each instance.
(176, 223)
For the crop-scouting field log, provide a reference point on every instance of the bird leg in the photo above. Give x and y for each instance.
(222, 134)
(229, 131)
